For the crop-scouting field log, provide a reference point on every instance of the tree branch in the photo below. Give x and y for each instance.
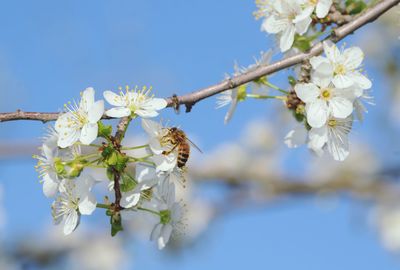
(338, 34)
(190, 99)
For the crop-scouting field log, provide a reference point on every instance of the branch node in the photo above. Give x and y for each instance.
(175, 103)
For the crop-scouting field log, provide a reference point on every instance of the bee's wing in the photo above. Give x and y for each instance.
(195, 146)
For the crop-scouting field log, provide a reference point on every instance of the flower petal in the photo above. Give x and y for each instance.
(130, 199)
(50, 186)
(114, 99)
(166, 232)
(231, 111)
(146, 113)
(89, 133)
(331, 51)
(96, 111)
(165, 163)
(118, 112)
(154, 104)
(318, 137)
(353, 58)
(361, 80)
(155, 233)
(318, 60)
(323, 7)
(87, 99)
(302, 26)
(287, 38)
(307, 92)
(342, 81)
(340, 107)
(151, 127)
(317, 113)
(87, 204)
(71, 222)
(68, 138)
(338, 148)
(273, 25)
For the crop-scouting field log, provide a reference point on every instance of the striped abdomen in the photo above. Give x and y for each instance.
(183, 153)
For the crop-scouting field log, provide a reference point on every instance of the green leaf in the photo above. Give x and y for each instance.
(104, 130)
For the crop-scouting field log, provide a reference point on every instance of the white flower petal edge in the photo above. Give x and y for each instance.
(134, 102)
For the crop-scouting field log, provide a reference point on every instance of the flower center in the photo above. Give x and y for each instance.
(135, 104)
(292, 16)
(313, 2)
(81, 118)
(340, 69)
(165, 216)
(326, 93)
(242, 93)
(332, 123)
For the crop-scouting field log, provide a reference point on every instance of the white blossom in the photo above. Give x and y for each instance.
(321, 7)
(345, 66)
(170, 213)
(232, 96)
(80, 122)
(286, 19)
(75, 199)
(333, 136)
(322, 99)
(133, 102)
(50, 155)
(146, 178)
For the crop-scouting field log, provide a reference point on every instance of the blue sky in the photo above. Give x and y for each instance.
(51, 50)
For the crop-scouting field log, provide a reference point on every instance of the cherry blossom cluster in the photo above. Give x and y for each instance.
(80, 145)
(330, 91)
(336, 90)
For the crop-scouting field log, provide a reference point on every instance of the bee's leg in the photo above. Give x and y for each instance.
(170, 151)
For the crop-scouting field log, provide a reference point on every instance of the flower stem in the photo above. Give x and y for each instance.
(135, 147)
(149, 210)
(267, 83)
(102, 205)
(265, 97)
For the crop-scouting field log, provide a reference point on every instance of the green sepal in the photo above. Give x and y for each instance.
(112, 159)
(116, 224)
(292, 80)
(110, 173)
(104, 130)
(302, 43)
(355, 6)
(242, 92)
(128, 183)
(298, 116)
(122, 160)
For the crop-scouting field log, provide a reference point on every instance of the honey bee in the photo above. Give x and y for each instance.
(178, 139)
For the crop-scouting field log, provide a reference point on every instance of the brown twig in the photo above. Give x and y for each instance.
(192, 98)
